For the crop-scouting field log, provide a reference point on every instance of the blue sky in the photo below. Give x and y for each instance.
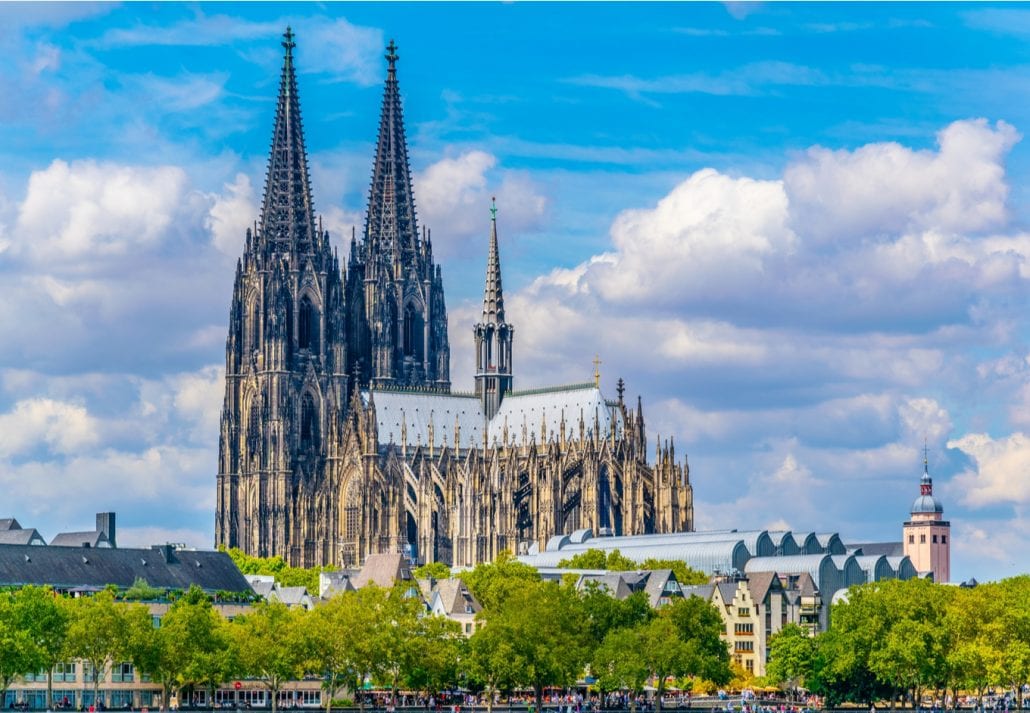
(799, 231)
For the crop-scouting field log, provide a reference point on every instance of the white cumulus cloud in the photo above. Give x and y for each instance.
(454, 197)
(87, 209)
(886, 188)
(61, 427)
(1002, 469)
(232, 212)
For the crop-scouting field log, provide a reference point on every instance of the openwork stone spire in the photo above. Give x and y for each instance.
(493, 336)
(287, 216)
(390, 226)
(493, 297)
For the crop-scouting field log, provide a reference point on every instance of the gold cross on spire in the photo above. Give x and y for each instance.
(597, 371)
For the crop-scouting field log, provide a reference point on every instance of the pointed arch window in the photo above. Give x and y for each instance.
(414, 332)
(308, 325)
(308, 423)
(254, 423)
(253, 318)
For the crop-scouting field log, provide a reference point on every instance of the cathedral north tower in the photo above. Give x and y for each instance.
(285, 361)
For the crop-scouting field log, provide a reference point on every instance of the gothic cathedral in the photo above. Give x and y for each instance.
(340, 434)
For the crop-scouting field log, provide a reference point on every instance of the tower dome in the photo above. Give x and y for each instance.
(926, 503)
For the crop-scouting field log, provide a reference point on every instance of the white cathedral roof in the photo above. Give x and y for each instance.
(406, 416)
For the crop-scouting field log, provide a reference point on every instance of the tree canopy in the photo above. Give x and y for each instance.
(615, 561)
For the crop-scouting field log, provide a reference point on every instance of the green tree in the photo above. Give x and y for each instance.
(18, 652)
(542, 628)
(396, 634)
(329, 632)
(971, 613)
(614, 561)
(141, 591)
(276, 566)
(911, 654)
(492, 661)
(432, 570)
(45, 617)
(98, 632)
(189, 647)
(629, 657)
(492, 583)
(604, 613)
(700, 627)
(1010, 634)
(791, 657)
(269, 645)
(434, 651)
(618, 664)
(684, 574)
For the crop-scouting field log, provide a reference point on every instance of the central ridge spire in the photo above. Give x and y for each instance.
(390, 228)
(287, 216)
(493, 297)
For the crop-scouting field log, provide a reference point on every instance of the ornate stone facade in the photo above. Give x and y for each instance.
(340, 436)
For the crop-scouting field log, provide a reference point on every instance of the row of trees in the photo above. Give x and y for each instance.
(533, 635)
(891, 640)
(615, 561)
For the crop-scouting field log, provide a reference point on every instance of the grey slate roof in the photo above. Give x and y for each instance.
(727, 590)
(161, 567)
(383, 570)
(698, 590)
(660, 582)
(887, 549)
(92, 539)
(409, 413)
(20, 536)
(455, 598)
(760, 583)
(9, 523)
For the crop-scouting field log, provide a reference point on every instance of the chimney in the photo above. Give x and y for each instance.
(105, 524)
(167, 552)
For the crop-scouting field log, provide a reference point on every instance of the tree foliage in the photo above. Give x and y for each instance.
(18, 652)
(615, 561)
(791, 657)
(432, 570)
(189, 647)
(44, 616)
(541, 629)
(269, 645)
(99, 631)
(492, 583)
(898, 639)
(285, 575)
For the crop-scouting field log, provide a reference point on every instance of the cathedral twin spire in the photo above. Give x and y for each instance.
(287, 214)
(391, 230)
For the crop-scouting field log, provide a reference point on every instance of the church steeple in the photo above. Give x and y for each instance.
(287, 215)
(286, 355)
(493, 297)
(390, 227)
(403, 340)
(493, 335)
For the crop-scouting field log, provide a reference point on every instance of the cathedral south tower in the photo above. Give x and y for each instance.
(399, 338)
(285, 361)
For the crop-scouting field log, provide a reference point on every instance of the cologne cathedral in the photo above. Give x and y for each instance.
(340, 434)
